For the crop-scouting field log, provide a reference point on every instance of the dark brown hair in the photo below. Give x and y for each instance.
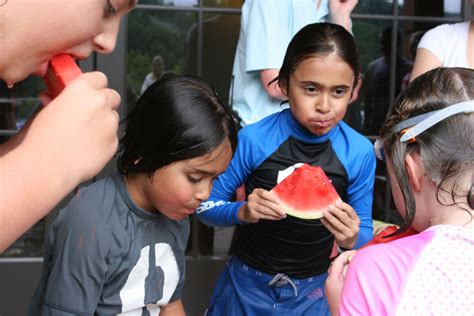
(447, 148)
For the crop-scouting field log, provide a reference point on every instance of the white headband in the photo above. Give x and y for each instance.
(420, 123)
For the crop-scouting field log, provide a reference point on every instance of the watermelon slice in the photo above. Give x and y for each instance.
(306, 193)
(61, 71)
(381, 237)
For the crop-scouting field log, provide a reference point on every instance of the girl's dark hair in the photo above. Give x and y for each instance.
(319, 40)
(176, 118)
(447, 148)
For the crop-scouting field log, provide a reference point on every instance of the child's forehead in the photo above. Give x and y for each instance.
(324, 69)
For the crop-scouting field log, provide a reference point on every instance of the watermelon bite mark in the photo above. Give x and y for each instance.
(306, 193)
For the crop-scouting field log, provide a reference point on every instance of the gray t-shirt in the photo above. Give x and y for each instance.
(104, 255)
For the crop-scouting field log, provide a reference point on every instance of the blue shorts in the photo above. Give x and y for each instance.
(242, 290)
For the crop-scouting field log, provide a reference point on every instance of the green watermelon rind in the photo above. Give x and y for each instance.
(313, 214)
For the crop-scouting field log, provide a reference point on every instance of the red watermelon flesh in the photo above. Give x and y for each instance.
(306, 193)
(61, 71)
(381, 237)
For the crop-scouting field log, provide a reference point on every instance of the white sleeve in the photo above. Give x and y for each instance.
(435, 40)
(266, 33)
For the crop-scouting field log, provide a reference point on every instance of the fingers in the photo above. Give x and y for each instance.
(84, 120)
(335, 232)
(98, 81)
(345, 235)
(341, 263)
(341, 216)
(342, 221)
(95, 79)
(114, 98)
(262, 204)
(344, 210)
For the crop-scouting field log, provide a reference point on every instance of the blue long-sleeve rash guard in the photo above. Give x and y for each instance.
(273, 146)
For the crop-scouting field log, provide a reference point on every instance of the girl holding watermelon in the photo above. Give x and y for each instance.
(427, 142)
(281, 261)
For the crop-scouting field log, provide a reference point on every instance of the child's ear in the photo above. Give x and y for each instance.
(283, 86)
(355, 90)
(414, 170)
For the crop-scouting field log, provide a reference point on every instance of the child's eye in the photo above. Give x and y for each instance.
(110, 9)
(339, 92)
(194, 179)
(310, 89)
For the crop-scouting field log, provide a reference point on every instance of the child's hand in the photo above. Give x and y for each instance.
(341, 12)
(261, 204)
(341, 8)
(78, 129)
(335, 281)
(342, 221)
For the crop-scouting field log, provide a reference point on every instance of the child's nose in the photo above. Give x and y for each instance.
(204, 192)
(106, 40)
(322, 104)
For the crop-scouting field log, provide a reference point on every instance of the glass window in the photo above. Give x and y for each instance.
(188, 45)
(152, 33)
(374, 7)
(17, 103)
(223, 3)
(176, 3)
(220, 33)
(434, 8)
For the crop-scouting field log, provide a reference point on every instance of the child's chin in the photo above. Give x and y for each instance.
(179, 217)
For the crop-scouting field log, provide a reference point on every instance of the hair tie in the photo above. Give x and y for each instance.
(410, 140)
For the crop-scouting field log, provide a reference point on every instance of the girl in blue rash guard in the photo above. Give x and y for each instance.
(281, 262)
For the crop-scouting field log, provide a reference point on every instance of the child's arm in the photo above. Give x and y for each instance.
(77, 255)
(175, 308)
(361, 173)
(273, 90)
(66, 143)
(218, 210)
(261, 204)
(425, 60)
(341, 12)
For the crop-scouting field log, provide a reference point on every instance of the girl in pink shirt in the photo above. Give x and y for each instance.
(427, 141)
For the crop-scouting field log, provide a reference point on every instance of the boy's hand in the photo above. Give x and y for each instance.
(261, 204)
(342, 221)
(78, 129)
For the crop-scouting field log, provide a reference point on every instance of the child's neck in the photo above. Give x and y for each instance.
(453, 216)
(135, 187)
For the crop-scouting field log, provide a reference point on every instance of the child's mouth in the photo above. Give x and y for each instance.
(321, 123)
